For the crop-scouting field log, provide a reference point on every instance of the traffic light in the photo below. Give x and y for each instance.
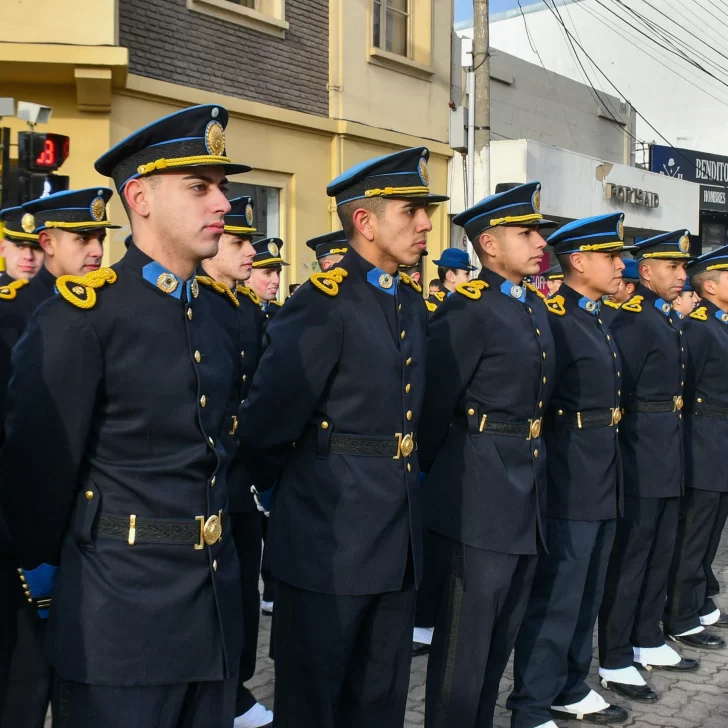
(39, 156)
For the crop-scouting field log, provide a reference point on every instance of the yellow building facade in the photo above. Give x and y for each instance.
(388, 88)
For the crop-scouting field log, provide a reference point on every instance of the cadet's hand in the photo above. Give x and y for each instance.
(262, 500)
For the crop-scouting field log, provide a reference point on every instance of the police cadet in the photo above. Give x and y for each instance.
(627, 286)
(125, 377)
(490, 370)
(554, 647)
(265, 278)
(705, 503)
(686, 300)
(343, 380)
(230, 268)
(329, 249)
(554, 278)
(453, 268)
(652, 349)
(20, 249)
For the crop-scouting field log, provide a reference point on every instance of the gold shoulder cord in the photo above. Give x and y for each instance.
(700, 314)
(81, 290)
(9, 292)
(249, 292)
(633, 305)
(473, 289)
(535, 290)
(218, 287)
(410, 282)
(431, 307)
(555, 305)
(611, 304)
(328, 282)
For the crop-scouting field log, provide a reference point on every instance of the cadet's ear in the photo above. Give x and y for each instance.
(488, 243)
(577, 262)
(45, 240)
(362, 219)
(136, 193)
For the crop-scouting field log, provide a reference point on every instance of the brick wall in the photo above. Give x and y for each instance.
(168, 42)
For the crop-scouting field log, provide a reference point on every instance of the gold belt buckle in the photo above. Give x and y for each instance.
(407, 445)
(677, 403)
(210, 530)
(234, 427)
(616, 416)
(483, 422)
(534, 429)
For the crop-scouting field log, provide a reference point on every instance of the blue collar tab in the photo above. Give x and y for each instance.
(383, 281)
(166, 281)
(663, 307)
(722, 316)
(514, 291)
(592, 307)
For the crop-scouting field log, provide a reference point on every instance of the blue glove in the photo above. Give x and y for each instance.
(38, 587)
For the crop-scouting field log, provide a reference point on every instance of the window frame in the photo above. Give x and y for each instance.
(267, 17)
(383, 8)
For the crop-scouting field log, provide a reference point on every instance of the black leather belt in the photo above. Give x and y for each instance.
(528, 430)
(386, 446)
(706, 410)
(192, 532)
(588, 419)
(673, 405)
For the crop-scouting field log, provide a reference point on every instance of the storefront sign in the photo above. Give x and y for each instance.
(632, 196)
(714, 199)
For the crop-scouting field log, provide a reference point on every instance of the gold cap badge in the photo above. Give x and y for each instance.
(684, 244)
(273, 250)
(620, 229)
(98, 209)
(215, 138)
(28, 223)
(536, 200)
(423, 171)
(249, 214)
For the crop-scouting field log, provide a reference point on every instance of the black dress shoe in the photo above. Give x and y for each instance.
(610, 714)
(704, 640)
(640, 693)
(685, 665)
(420, 648)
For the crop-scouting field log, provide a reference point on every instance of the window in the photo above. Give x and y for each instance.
(267, 16)
(391, 26)
(246, 3)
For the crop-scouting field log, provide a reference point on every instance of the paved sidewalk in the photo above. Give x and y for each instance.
(694, 700)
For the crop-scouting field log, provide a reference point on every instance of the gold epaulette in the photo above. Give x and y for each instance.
(431, 307)
(275, 303)
(439, 295)
(328, 282)
(9, 292)
(410, 282)
(611, 304)
(535, 290)
(473, 289)
(249, 292)
(555, 305)
(700, 314)
(81, 290)
(633, 305)
(218, 287)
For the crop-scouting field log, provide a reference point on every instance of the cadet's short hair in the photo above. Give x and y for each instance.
(698, 281)
(435, 282)
(565, 263)
(442, 272)
(346, 212)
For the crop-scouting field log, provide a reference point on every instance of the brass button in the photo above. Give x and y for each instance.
(189, 314)
(212, 482)
(609, 338)
(682, 348)
(324, 425)
(561, 412)
(211, 441)
(544, 380)
(471, 411)
(403, 334)
(408, 388)
(619, 393)
(540, 405)
(242, 355)
(408, 362)
(409, 468)
(619, 374)
(600, 321)
(544, 354)
(535, 453)
(214, 565)
(681, 333)
(683, 366)
(682, 384)
(530, 310)
(399, 308)
(409, 415)
(700, 400)
(245, 377)
(90, 494)
(203, 400)
(614, 354)
(538, 332)
(198, 357)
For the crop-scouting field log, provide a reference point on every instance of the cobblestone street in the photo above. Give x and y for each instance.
(694, 700)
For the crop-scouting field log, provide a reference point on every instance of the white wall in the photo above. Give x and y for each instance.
(680, 108)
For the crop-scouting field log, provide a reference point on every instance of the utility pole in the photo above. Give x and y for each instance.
(481, 69)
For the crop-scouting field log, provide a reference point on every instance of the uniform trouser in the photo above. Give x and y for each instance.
(636, 584)
(247, 535)
(29, 683)
(342, 661)
(712, 585)
(686, 593)
(187, 705)
(265, 570)
(553, 650)
(8, 628)
(482, 607)
(429, 593)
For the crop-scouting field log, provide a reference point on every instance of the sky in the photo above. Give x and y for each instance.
(464, 8)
